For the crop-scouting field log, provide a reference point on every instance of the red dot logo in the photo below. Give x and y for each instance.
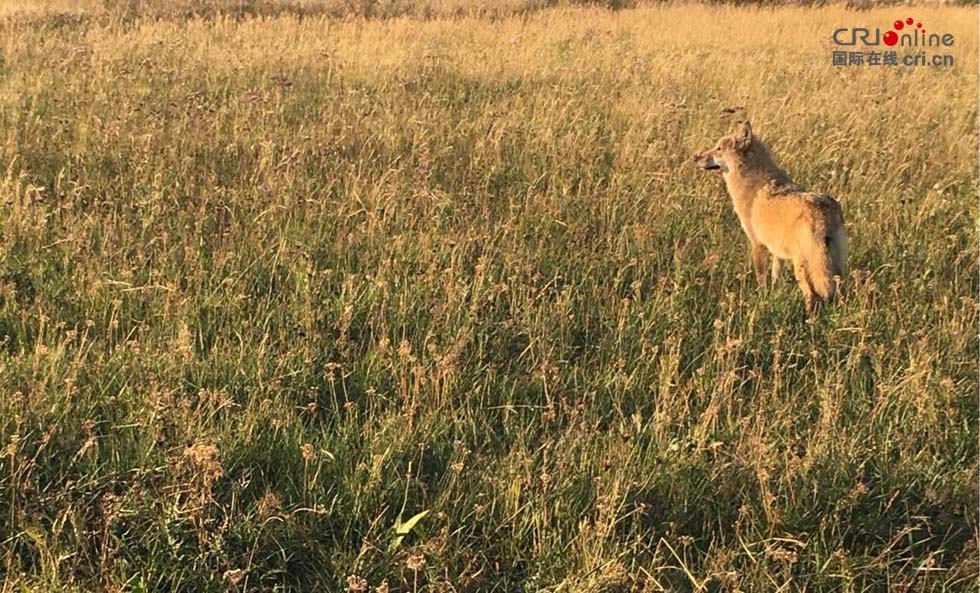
(890, 38)
(909, 20)
(898, 25)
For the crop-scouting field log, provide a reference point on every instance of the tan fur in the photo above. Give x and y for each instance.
(781, 218)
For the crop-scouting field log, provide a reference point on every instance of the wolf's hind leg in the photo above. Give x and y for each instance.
(804, 280)
(777, 267)
(760, 259)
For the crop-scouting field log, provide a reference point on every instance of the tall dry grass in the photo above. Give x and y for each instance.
(271, 288)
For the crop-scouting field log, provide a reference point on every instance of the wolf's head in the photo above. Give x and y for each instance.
(728, 152)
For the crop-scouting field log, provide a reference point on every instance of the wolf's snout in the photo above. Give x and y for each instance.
(705, 162)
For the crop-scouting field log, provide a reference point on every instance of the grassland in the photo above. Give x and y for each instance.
(270, 286)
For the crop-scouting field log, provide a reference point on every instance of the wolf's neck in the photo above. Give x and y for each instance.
(754, 173)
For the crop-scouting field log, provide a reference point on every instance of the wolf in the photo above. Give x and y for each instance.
(780, 217)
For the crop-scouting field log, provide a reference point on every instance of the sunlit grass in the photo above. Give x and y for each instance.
(272, 288)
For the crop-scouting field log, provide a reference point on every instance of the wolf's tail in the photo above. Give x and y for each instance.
(827, 257)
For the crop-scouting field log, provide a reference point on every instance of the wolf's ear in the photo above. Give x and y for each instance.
(744, 136)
